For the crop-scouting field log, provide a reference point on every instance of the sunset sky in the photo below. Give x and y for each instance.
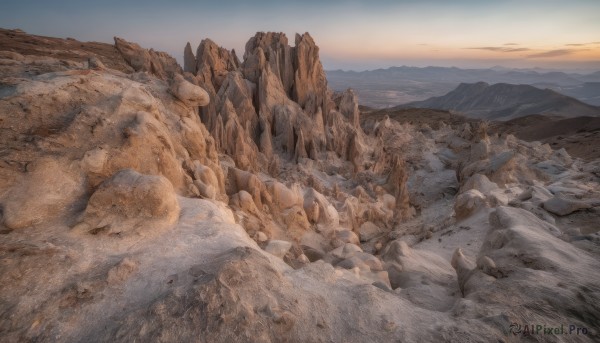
(351, 34)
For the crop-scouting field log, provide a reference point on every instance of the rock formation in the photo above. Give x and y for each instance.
(155, 62)
(242, 201)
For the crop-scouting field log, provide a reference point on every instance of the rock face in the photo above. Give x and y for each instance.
(563, 207)
(469, 202)
(349, 107)
(48, 189)
(242, 201)
(189, 60)
(310, 89)
(156, 62)
(128, 200)
(397, 182)
(188, 93)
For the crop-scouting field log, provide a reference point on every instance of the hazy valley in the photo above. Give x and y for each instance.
(400, 85)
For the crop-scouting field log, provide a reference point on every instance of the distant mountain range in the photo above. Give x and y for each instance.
(504, 101)
(389, 87)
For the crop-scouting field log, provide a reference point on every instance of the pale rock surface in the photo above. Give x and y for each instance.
(50, 189)
(562, 207)
(310, 83)
(368, 231)
(130, 202)
(469, 202)
(188, 93)
(278, 248)
(349, 107)
(347, 236)
(155, 62)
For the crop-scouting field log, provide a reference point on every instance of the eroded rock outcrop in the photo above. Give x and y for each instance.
(158, 63)
(130, 202)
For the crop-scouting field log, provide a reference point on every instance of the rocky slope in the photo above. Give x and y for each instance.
(240, 201)
(506, 101)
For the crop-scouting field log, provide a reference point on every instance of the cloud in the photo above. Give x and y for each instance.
(554, 53)
(582, 44)
(499, 49)
(511, 44)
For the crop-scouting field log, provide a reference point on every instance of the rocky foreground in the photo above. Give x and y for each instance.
(242, 201)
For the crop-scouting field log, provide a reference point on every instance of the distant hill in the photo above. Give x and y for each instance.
(504, 101)
(588, 92)
(382, 88)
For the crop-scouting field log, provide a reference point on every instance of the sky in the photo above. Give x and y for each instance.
(356, 35)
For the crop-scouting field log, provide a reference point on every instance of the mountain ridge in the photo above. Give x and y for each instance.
(502, 101)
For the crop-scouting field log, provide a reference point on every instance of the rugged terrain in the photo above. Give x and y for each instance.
(238, 200)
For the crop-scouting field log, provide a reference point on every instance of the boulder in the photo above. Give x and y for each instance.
(562, 206)
(480, 183)
(347, 236)
(468, 203)
(368, 231)
(188, 93)
(480, 150)
(130, 201)
(320, 209)
(463, 266)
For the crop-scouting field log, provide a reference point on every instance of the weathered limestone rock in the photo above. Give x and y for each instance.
(278, 248)
(47, 191)
(468, 203)
(189, 60)
(368, 231)
(349, 107)
(356, 150)
(158, 63)
(238, 92)
(188, 93)
(480, 183)
(480, 150)
(131, 202)
(310, 83)
(270, 48)
(464, 268)
(322, 212)
(397, 182)
(300, 149)
(347, 236)
(284, 197)
(562, 207)
(213, 63)
(243, 180)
